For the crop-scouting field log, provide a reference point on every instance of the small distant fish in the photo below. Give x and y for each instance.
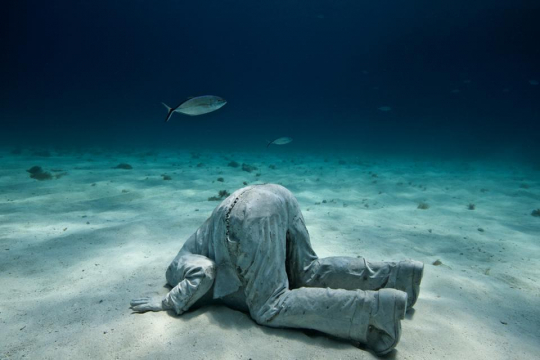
(534, 82)
(196, 106)
(467, 81)
(384, 108)
(455, 91)
(279, 141)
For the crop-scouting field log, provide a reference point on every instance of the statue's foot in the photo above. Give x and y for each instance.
(384, 328)
(408, 279)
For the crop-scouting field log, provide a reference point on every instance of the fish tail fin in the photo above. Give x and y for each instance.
(268, 143)
(169, 112)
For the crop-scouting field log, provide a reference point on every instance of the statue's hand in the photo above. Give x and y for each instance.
(147, 304)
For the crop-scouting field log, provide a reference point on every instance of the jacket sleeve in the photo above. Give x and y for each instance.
(196, 275)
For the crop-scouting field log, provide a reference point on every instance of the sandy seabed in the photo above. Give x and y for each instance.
(75, 249)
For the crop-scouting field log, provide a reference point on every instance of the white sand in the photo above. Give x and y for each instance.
(72, 255)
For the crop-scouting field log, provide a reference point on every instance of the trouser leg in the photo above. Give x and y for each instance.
(305, 269)
(259, 255)
(341, 272)
(258, 247)
(341, 313)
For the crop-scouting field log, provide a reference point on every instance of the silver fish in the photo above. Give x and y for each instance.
(196, 106)
(384, 108)
(279, 141)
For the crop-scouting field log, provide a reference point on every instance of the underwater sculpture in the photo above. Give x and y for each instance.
(254, 254)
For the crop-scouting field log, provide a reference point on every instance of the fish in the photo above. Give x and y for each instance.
(384, 108)
(279, 141)
(196, 106)
(534, 82)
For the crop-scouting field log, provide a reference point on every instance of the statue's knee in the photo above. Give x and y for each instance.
(259, 319)
(266, 314)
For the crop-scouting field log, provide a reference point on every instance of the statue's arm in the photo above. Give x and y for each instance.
(197, 282)
(198, 277)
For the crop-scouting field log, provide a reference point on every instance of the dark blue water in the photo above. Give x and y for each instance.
(94, 73)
